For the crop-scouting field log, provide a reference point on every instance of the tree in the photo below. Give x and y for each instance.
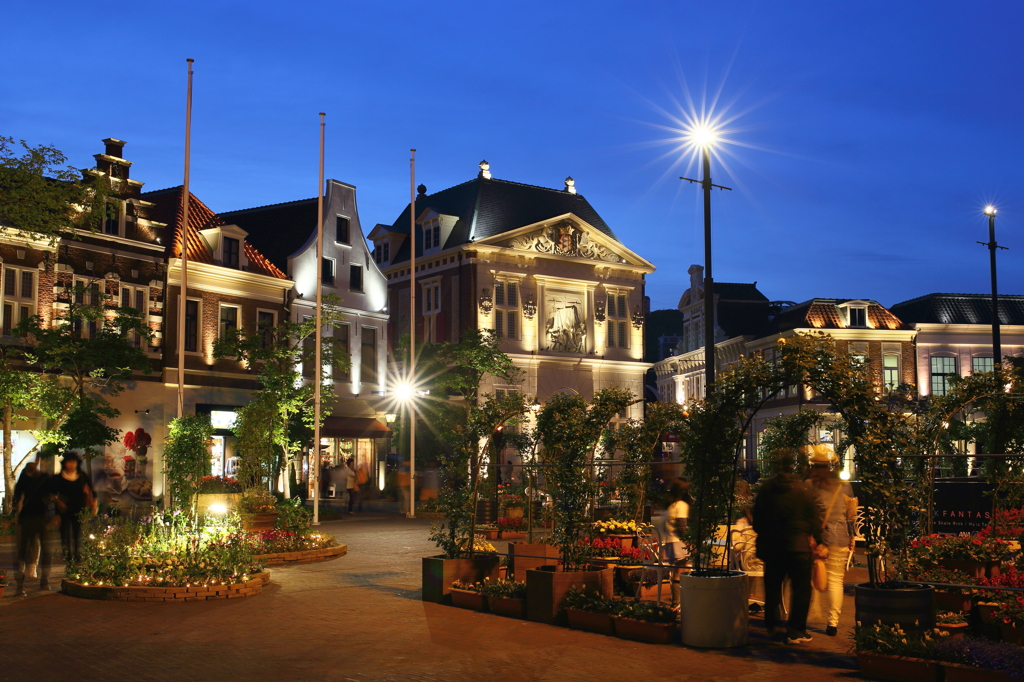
(16, 394)
(283, 357)
(40, 194)
(187, 459)
(636, 440)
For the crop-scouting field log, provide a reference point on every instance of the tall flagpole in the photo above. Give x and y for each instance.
(319, 324)
(412, 335)
(182, 296)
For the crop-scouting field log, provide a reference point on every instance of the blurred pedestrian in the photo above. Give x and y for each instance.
(677, 520)
(32, 507)
(788, 524)
(362, 482)
(73, 494)
(840, 513)
(351, 488)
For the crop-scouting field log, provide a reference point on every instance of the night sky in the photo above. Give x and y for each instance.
(868, 136)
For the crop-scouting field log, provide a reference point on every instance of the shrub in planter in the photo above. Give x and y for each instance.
(258, 509)
(646, 622)
(590, 611)
(975, 555)
(890, 653)
(952, 624)
(467, 595)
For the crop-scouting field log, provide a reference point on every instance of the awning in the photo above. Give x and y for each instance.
(354, 427)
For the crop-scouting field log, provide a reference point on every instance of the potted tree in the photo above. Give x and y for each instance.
(569, 430)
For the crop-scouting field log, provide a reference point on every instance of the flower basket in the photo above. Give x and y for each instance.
(644, 631)
(898, 668)
(954, 672)
(952, 630)
(601, 623)
(1011, 633)
(507, 606)
(468, 599)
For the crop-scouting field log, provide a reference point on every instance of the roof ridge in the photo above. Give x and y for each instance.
(256, 208)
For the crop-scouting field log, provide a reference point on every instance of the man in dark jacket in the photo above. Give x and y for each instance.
(31, 503)
(787, 519)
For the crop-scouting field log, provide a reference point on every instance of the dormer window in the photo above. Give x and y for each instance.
(382, 253)
(858, 317)
(432, 235)
(231, 252)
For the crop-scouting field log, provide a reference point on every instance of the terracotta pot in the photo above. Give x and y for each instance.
(987, 611)
(954, 630)
(512, 535)
(898, 668)
(966, 673)
(602, 623)
(467, 599)
(951, 602)
(439, 574)
(546, 589)
(643, 631)
(528, 556)
(1011, 633)
(975, 569)
(507, 606)
(259, 521)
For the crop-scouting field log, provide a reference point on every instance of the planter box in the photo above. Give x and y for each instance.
(439, 574)
(601, 623)
(624, 572)
(260, 521)
(898, 668)
(546, 589)
(506, 606)
(650, 593)
(643, 631)
(714, 612)
(951, 602)
(987, 611)
(488, 534)
(1011, 633)
(528, 556)
(966, 673)
(512, 535)
(911, 606)
(954, 630)
(467, 599)
(626, 540)
(976, 569)
(205, 500)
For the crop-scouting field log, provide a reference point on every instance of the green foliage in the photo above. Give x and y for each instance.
(258, 428)
(636, 439)
(257, 501)
(893, 640)
(503, 589)
(790, 432)
(647, 612)
(589, 600)
(569, 430)
(187, 459)
(293, 515)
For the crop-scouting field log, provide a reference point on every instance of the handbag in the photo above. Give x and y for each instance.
(819, 573)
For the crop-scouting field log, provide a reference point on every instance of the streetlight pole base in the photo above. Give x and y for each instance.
(410, 515)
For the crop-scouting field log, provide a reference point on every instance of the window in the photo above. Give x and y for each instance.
(10, 281)
(368, 360)
(342, 351)
(618, 327)
(8, 319)
(19, 296)
(265, 320)
(126, 297)
(327, 270)
(437, 235)
(341, 226)
(355, 278)
(228, 320)
(980, 365)
(858, 317)
(308, 353)
(891, 372)
(506, 309)
(111, 225)
(230, 253)
(382, 254)
(432, 298)
(191, 326)
(141, 304)
(27, 278)
(943, 367)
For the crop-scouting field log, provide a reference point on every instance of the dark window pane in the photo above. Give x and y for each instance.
(8, 319)
(230, 252)
(622, 335)
(513, 295)
(140, 302)
(191, 326)
(94, 293)
(10, 280)
(499, 293)
(621, 310)
(341, 347)
(309, 357)
(499, 323)
(26, 284)
(126, 297)
(512, 324)
(228, 320)
(369, 356)
(327, 268)
(341, 227)
(355, 282)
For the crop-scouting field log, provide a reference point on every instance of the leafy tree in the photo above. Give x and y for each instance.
(281, 356)
(260, 432)
(789, 432)
(18, 389)
(187, 459)
(636, 440)
(39, 193)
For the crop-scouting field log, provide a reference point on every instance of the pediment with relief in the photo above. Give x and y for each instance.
(565, 239)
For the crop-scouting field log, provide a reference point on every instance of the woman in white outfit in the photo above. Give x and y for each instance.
(839, 513)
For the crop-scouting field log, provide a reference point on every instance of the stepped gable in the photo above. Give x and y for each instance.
(168, 209)
(960, 309)
(487, 207)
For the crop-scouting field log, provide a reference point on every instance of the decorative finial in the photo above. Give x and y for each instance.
(422, 189)
(485, 170)
(570, 185)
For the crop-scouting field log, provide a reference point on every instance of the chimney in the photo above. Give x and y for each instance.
(570, 185)
(485, 170)
(115, 147)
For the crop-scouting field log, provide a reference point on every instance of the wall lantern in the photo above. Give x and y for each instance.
(529, 307)
(599, 311)
(486, 304)
(638, 317)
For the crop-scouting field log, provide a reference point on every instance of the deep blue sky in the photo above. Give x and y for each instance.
(878, 130)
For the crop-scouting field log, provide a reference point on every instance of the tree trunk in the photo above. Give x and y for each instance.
(8, 454)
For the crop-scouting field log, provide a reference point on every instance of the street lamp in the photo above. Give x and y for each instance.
(997, 348)
(702, 136)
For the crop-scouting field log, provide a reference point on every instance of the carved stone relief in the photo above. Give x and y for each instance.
(565, 325)
(565, 239)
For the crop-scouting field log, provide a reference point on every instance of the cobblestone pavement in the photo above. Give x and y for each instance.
(359, 619)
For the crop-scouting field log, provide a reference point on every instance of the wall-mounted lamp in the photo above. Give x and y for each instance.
(390, 418)
(535, 406)
(638, 317)
(486, 303)
(599, 311)
(529, 307)
(141, 411)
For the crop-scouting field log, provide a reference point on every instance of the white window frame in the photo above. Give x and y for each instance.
(238, 318)
(899, 371)
(504, 311)
(975, 358)
(18, 300)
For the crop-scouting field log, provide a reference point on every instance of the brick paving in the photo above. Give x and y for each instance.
(359, 619)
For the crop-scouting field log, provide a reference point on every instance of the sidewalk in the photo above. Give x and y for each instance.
(360, 618)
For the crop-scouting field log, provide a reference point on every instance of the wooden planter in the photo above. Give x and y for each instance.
(644, 631)
(512, 535)
(987, 611)
(910, 606)
(439, 574)
(601, 623)
(898, 668)
(467, 599)
(953, 630)
(259, 521)
(1011, 633)
(507, 606)
(975, 569)
(524, 557)
(513, 512)
(546, 589)
(952, 602)
(488, 533)
(965, 673)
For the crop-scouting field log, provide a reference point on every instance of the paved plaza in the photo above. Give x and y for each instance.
(360, 619)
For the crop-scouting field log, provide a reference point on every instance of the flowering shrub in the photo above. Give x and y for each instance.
(1009, 577)
(612, 527)
(480, 544)
(256, 501)
(275, 541)
(1003, 657)
(584, 600)
(934, 549)
(1012, 612)
(938, 574)
(469, 587)
(1006, 523)
(603, 546)
(3, 578)
(218, 485)
(503, 589)
(508, 523)
(951, 618)
(893, 640)
(647, 576)
(646, 611)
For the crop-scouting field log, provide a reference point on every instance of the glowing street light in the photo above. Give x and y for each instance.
(997, 347)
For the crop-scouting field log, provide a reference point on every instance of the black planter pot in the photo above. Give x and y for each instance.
(909, 605)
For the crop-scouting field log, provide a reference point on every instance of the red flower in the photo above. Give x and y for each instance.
(976, 541)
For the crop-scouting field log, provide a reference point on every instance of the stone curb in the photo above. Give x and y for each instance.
(308, 556)
(252, 586)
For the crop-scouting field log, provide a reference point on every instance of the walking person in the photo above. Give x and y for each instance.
(787, 520)
(73, 494)
(362, 480)
(31, 505)
(350, 484)
(836, 498)
(677, 518)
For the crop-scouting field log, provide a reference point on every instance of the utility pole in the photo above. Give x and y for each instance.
(183, 293)
(317, 362)
(412, 334)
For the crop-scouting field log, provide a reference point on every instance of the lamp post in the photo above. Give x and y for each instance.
(997, 348)
(702, 137)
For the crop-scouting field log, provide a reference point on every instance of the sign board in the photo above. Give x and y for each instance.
(223, 419)
(962, 505)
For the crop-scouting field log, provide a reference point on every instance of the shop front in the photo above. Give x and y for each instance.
(364, 440)
(223, 453)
